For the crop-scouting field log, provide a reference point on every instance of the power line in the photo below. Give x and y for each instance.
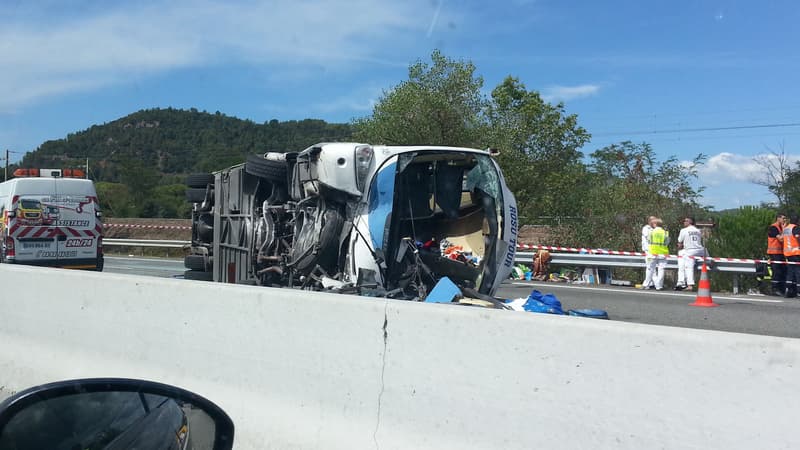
(672, 138)
(7, 159)
(662, 115)
(694, 130)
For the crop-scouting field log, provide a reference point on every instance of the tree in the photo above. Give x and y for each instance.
(627, 184)
(168, 201)
(439, 104)
(221, 157)
(116, 200)
(140, 179)
(539, 149)
(777, 171)
(741, 233)
(791, 189)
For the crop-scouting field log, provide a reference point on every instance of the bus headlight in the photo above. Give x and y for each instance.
(363, 156)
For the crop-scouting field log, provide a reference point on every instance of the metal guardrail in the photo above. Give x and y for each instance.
(145, 243)
(597, 260)
(600, 260)
(560, 259)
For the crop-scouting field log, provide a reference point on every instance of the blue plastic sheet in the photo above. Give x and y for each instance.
(543, 303)
(444, 292)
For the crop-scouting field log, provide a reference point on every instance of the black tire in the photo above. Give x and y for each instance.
(274, 171)
(198, 275)
(302, 253)
(199, 180)
(195, 195)
(195, 262)
(329, 237)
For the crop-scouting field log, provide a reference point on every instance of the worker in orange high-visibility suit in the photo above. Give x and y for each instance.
(791, 251)
(775, 254)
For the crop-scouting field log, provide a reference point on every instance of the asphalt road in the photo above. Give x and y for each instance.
(771, 316)
(151, 267)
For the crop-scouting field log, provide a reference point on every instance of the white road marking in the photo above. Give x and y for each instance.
(133, 258)
(637, 291)
(115, 266)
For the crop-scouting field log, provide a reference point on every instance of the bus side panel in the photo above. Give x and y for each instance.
(233, 227)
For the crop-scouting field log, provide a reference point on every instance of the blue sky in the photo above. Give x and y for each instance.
(630, 69)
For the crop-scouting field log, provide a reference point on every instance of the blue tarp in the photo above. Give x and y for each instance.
(444, 292)
(543, 303)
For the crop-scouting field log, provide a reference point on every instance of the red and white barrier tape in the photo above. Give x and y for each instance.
(593, 251)
(578, 250)
(150, 227)
(597, 251)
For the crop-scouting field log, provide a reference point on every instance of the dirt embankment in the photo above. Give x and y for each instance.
(181, 229)
(171, 229)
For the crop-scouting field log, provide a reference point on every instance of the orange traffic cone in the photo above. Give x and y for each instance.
(704, 299)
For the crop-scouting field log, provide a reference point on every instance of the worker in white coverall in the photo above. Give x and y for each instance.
(648, 272)
(658, 248)
(690, 245)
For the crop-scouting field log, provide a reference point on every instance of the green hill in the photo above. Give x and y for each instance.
(139, 161)
(174, 141)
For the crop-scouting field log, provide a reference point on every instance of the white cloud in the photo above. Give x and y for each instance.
(735, 194)
(726, 167)
(566, 93)
(43, 57)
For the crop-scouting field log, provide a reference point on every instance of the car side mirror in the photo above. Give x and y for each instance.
(112, 413)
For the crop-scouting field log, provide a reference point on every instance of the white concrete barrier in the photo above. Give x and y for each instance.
(308, 370)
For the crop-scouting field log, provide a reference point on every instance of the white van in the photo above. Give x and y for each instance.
(50, 220)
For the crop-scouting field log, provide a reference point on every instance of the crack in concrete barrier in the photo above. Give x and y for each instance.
(383, 369)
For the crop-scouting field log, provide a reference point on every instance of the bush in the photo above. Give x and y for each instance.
(739, 234)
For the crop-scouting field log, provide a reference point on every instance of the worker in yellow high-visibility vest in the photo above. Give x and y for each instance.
(659, 248)
(648, 274)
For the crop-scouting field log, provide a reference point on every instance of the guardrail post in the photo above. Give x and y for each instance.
(735, 284)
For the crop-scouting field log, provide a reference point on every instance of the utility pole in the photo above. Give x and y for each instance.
(5, 174)
(87, 168)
